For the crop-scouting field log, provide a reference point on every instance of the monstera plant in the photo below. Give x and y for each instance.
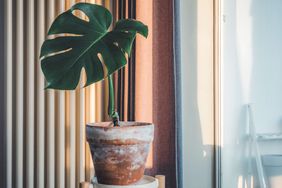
(119, 152)
(90, 46)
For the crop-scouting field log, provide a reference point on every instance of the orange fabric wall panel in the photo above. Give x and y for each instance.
(163, 90)
(155, 101)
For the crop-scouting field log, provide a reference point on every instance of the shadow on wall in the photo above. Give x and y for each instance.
(197, 157)
(234, 84)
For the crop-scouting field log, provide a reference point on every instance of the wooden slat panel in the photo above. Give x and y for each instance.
(108, 4)
(60, 141)
(80, 127)
(30, 61)
(144, 70)
(98, 106)
(125, 76)
(20, 93)
(105, 100)
(90, 117)
(80, 134)
(50, 121)
(40, 106)
(70, 134)
(67, 137)
(87, 117)
(9, 87)
(60, 124)
(71, 140)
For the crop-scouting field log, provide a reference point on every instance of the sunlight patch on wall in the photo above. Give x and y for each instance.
(244, 45)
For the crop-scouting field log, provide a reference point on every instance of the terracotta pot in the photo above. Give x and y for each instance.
(119, 153)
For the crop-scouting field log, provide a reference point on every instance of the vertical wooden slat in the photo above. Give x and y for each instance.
(144, 71)
(71, 139)
(9, 87)
(108, 4)
(89, 117)
(121, 72)
(115, 12)
(131, 68)
(106, 100)
(40, 107)
(80, 128)
(81, 133)
(99, 105)
(87, 114)
(99, 98)
(90, 110)
(67, 127)
(67, 137)
(20, 93)
(60, 125)
(50, 121)
(60, 159)
(87, 120)
(92, 118)
(71, 136)
(98, 2)
(60, 141)
(125, 102)
(125, 74)
(30, 95)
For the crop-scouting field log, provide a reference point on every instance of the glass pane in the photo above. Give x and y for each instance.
(251, 73)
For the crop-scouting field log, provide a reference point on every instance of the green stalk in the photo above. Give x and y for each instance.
(111, 106)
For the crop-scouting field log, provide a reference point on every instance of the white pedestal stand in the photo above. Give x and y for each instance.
(145, 182)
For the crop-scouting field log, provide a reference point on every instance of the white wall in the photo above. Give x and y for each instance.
(196, 38)
(251, 72)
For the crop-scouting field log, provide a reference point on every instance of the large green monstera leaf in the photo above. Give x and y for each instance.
(86, 44)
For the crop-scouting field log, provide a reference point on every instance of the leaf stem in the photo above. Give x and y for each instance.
(111, 109)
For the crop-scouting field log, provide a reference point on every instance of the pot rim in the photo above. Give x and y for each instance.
(143, 132)
(109, 125)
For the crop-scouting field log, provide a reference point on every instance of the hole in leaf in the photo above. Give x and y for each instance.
(116, 44)
(99, 55)
(55, 53)
(126, 56)
(63, 35)
(83, 78)
(81, 15)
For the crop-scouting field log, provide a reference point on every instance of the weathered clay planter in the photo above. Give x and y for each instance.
(119, 153)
